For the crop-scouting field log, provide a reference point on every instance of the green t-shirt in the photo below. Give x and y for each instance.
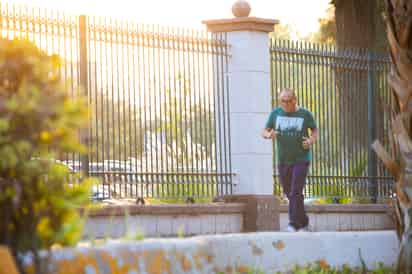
(291, 128)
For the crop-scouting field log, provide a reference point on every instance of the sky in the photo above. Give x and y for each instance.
(301, 14)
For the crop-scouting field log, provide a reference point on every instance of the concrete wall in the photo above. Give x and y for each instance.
(268, 252)
(162, 226)
(217, 218)
(345, 217)
(164, 220)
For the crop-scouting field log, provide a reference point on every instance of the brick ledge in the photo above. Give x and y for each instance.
(347, 208)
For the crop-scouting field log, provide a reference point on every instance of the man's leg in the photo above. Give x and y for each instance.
(285, 177)
(297, 212)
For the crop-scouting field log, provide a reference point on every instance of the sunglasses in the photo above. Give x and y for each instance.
(287, 101)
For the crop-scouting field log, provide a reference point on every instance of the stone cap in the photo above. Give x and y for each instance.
(343, 208)
(241, 24)
(167, 209)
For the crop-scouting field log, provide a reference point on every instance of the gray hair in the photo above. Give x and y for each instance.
(287, 90)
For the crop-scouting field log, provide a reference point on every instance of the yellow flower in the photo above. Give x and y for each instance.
(323, 264)
(59, 132)
(45, 136)
(43, 228)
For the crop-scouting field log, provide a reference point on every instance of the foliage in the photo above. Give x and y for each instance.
(322, 267)
(327, 32)
(115, 128)
(178, 129)
(188, 126)
(284, 32)
(327, 28)
(38, 123)
(341, 192)
(188, 192)
(155, 201)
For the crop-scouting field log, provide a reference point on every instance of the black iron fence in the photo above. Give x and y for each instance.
(159, 124)
(157, 95)
(348, 93)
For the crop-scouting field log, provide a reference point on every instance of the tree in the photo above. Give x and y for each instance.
(360, 34)
(398, 18)
(359, 24)
(187, 127)
(327, 28)
(38, 123)
(115, 131)
(283, 32)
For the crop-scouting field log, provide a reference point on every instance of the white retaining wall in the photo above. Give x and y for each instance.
(343, 221)
(201, 219)
(161, 225)
(268, 252)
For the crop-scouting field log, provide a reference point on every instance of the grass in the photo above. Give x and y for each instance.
(157, 201)
(322, 267)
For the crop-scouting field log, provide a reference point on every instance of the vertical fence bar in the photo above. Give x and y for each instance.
(372, 162)
(170, 45)
(139, 87)
(84, 82)
(272, 88)
(210, 105)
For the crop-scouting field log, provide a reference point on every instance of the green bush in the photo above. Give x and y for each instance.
(322, 267)
(39, 122)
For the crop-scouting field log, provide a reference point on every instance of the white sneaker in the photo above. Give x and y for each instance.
(303, 229)
(290, 228)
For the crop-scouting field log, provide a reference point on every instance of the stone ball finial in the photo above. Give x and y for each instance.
(241, 8)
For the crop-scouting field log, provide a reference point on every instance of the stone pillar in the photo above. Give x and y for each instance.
(262, 212)
(249, 98)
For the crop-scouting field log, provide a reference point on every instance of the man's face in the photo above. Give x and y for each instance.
(288, 102)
